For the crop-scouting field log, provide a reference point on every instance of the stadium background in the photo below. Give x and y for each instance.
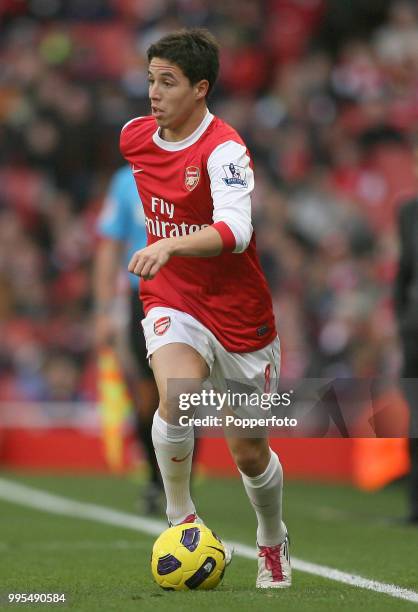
(325, 93)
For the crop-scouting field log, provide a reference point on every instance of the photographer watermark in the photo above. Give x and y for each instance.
(304, 408)
(231, 420)
(220, 401)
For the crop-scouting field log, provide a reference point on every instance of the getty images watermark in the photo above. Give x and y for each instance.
(303, 408)
(221, 401)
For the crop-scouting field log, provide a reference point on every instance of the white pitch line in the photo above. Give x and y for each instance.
(48, 502)
(339, 576)
(121, 545)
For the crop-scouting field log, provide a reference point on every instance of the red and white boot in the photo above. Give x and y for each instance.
(274, 570)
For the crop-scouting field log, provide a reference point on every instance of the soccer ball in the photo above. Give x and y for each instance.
(188, 556)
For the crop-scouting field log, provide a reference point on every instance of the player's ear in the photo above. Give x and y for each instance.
(201, 89)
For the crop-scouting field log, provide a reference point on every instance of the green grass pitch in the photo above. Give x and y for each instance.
(102, 567)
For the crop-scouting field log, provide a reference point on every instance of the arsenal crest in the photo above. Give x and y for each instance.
(191, 177)
(161, 325)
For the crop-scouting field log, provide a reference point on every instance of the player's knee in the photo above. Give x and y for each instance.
(251, 457)
(179, 398)
(171, 408)
(168, 411)
(163, 432)
(163, 411)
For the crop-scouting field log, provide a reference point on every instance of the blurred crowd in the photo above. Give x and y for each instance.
(328, 106)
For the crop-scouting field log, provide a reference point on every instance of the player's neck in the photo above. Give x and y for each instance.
(187, 128)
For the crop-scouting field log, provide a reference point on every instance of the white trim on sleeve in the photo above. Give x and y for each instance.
(131, 121)
(231, 183)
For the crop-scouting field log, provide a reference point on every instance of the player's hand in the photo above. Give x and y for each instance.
(104, 330)
(147, 262)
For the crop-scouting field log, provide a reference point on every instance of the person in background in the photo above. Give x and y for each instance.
(406, 307)
(121, 229)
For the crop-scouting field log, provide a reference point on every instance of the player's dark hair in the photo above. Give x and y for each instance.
(195, 51)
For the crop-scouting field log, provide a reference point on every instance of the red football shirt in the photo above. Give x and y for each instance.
(185, 186)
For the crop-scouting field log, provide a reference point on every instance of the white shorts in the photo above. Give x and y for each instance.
(259, 369)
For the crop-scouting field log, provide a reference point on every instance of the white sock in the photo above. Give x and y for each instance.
(174, 442)
(265, 494)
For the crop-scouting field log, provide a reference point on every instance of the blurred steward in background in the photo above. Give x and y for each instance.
(122, 231)
(406, 306)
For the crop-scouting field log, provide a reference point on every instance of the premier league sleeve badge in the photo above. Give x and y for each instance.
(235, 176)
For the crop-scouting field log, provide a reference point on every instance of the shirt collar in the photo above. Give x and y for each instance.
(186, 142)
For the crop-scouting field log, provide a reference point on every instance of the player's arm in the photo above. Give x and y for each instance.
(207, 242)
(106, 268)
(105, 272)
(232, 228)
(112, 229)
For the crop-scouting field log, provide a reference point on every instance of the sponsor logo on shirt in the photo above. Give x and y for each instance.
(161, 325)
(235, 176)
(164, 226)
(191, 177)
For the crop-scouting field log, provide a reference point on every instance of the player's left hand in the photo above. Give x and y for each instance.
(147, 262)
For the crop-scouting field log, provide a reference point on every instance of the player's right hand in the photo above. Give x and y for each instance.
(104, 331)
(148, 261)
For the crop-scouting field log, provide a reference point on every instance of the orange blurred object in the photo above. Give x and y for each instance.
(115, 404)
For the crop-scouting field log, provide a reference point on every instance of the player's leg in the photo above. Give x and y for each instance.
(409, 384)
(174, 443)
(260, 468)
(262, 476)
(146, 397)
(147, 393)
(181, 356)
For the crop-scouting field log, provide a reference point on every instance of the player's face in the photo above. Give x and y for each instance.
(173, 98)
